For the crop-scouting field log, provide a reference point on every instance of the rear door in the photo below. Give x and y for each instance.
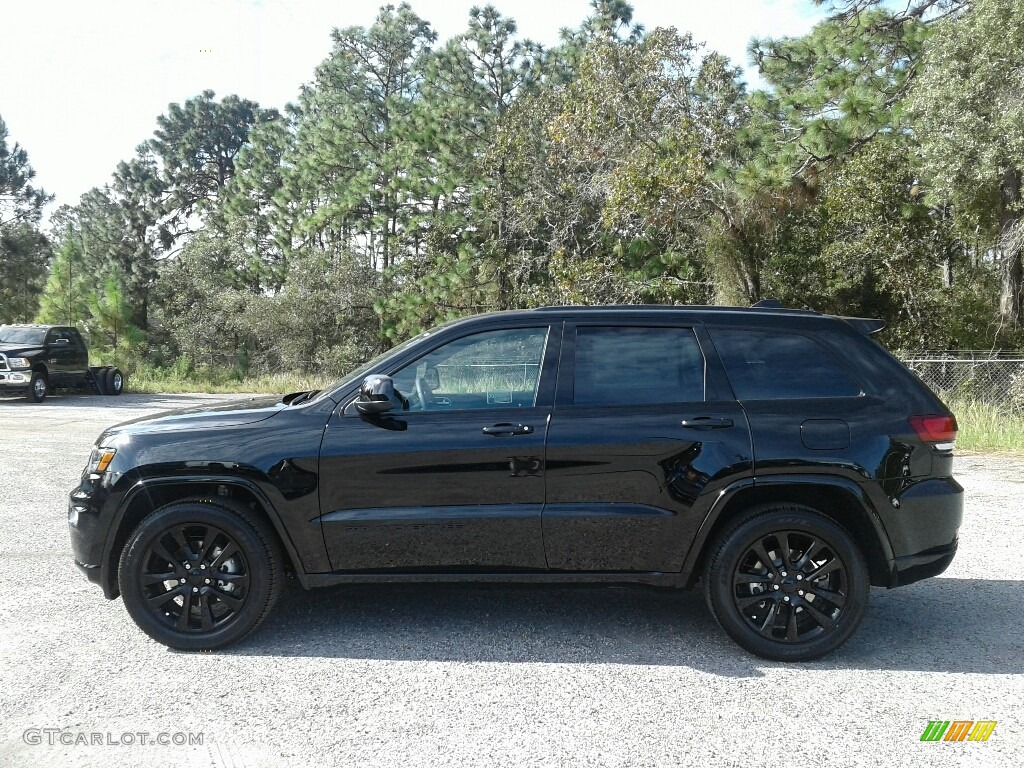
(643, 434)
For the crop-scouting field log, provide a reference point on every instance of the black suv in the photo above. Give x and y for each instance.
(781, 458)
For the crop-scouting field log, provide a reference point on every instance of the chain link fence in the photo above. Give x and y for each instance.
(996, 378)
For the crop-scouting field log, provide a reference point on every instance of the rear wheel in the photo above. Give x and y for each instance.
(114, 380)
(199, 574)
(38, 387)
(787, 583)
(99, 380)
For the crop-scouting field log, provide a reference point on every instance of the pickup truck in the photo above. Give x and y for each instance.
(36, 359)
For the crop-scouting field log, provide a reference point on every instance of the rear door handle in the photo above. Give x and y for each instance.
(499, 430)
(706, 422)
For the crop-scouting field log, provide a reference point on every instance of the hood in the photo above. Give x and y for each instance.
(16, 348)
(227, 415)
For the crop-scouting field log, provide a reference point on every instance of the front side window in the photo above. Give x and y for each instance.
(637, 366)
(493, 369)
(777, 366)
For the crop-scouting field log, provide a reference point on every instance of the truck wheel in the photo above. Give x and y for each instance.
(114, 381)
(38, 388)
(99, 383)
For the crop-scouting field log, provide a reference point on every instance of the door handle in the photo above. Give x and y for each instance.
(499, 430)
(706, 422)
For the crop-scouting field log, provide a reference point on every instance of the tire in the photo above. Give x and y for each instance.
(38, 387)
(99, 380)
(229, 607)
(114, 381)
(801, 617)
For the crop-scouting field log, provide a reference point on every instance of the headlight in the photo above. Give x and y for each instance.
(100, 459)
(19, 362)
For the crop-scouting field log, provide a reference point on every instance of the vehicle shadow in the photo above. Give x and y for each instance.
(943, 624)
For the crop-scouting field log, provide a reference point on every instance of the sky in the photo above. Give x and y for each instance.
(82, 83)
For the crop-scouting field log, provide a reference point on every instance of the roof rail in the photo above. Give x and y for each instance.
(671, 307)
(768, 304)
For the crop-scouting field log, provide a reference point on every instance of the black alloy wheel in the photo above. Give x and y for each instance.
(787, 583)
(200, 574)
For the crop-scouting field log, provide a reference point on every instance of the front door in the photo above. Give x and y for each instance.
(456, 482)
(644, 433)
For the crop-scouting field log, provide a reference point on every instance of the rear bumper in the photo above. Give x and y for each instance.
(913, 568)
(923, 529)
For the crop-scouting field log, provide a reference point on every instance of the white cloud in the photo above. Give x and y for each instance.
(83, 82)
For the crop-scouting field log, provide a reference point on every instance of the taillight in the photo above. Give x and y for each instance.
(938, 431)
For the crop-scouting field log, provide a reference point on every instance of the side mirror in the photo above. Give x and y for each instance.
(378, 395)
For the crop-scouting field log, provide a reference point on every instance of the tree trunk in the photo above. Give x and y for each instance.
(1012, 273)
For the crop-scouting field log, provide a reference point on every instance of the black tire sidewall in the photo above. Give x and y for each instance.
(734, 545)
(99, 379)
(110, 387)
(257, 556)
(37, 375)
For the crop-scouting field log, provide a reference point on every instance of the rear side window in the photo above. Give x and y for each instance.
(637, 366)
(778, 366)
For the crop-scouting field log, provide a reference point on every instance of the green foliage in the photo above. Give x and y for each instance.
(65, 299)
(413, 182)
(24, 251)
(969, 115)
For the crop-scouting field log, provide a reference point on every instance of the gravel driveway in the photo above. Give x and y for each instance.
(488, 676)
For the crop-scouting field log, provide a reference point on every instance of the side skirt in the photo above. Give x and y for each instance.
(651, 578)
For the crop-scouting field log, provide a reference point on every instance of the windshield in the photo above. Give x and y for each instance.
(13, 335)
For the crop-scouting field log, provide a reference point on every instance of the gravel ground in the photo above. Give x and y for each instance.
(511, 676)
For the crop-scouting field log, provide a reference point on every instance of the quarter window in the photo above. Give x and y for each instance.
(637, 366)
(778, 366)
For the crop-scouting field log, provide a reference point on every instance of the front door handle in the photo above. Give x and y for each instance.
(706, 422)
(499, 430)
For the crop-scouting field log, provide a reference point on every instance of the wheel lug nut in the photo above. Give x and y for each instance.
(208, 581)
(783, 574)
(786, 598)
(187, 566)
(800, 592)
(799, 577)
(196, 589)
(774, 586)
(203, 566)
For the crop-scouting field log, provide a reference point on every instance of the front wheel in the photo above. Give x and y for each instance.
(38, 387)
(200, 574)
(787, 583)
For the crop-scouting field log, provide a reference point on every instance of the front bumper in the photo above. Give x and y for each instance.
(15, 381)
(88, 527)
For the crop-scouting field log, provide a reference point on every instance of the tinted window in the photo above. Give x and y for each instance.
(486, 370)
(776, 366)
(637, 366)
